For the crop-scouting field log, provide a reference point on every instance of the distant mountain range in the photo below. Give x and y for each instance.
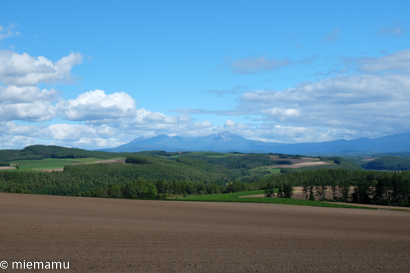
(227, 142)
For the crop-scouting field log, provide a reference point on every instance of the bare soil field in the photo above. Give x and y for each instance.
(113, 235)
(7, 168)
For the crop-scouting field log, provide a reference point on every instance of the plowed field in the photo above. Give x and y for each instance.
(109, 235)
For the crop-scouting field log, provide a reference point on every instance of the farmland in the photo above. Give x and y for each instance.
(239, 197)
(205, 213)
(111, 235)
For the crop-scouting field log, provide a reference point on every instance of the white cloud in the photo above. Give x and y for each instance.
(204, 124)
(24, 70)
(230, 124)
(26, 94)
(34, 111)
(257, 64)
(363, 103)
(281, 113)
(147, 117)
(97, 106)
(16, 142)
(398, 61)
(75, 132)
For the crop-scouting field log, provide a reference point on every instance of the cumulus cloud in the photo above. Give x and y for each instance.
(257, 64)
(26, 103)
(154, 118)
(96, 105)
(204, 124)
(24, 70)
(34, 111)
(232, 125)
(75, 132)
(16, 94)
(281, 113)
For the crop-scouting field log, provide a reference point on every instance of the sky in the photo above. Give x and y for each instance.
(98, 74)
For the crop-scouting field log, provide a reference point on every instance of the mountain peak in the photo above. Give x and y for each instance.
(225, 136)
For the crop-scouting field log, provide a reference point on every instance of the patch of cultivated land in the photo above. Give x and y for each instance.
(294, 160)
(297, 162)
(370, 159)
(52, 170)
(7, 168)
(112, 235)
(120, 160)
(300, 165)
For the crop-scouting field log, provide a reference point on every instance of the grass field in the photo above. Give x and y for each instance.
(265, 169)
(235, 197)
(52, 163)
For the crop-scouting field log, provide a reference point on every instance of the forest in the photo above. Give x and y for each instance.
(158, 175)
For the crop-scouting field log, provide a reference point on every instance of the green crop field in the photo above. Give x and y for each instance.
(235, 197)
(264, 169)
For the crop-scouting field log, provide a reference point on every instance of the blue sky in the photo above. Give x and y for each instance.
(95, 74)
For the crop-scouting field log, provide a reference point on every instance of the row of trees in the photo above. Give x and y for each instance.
(365, 187)
(189, 176)
(157, 189)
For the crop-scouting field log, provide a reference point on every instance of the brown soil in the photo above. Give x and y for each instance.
(7, 168)
(108, 235)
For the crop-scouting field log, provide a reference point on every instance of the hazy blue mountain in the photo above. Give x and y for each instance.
(227, 142)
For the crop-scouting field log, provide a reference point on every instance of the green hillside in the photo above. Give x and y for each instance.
(158, 168)
(36, 152)
(391, 163)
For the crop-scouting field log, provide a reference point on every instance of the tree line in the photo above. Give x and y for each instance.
(365, 187)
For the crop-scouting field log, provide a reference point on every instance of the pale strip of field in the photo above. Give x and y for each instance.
(7, 168)
(122, 160)
(51, 170)
(115, 235)
(369, 159)
(300, 165)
